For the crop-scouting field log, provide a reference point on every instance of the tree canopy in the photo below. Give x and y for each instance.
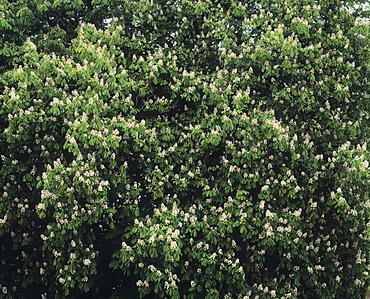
(184, 149)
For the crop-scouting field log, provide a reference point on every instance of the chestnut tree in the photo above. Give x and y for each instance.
(184, 149)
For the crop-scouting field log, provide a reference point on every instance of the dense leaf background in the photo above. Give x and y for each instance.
(193, 149)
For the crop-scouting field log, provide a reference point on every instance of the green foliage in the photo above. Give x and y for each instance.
(211, 149)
